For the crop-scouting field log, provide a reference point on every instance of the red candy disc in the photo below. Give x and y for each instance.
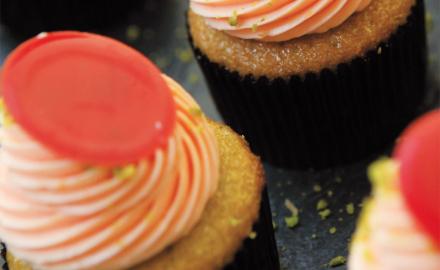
(88, 97)
(419, 154)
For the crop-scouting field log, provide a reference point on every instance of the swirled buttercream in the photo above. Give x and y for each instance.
(56, 213)
(276, 20)
(388, 237)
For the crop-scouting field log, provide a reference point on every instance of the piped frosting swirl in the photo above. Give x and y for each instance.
(56, 213)
(388, 237)
(276, 20)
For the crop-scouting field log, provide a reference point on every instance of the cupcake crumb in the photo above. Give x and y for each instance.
(252, 235)
(332, 230)
(325, 214)
(317, 188)
(322, 204)
(337, 261)
(133, 32)
(350, 208)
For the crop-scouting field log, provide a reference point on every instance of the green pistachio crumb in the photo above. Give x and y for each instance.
(429, 22)
(337, 261)
(233, 20)
(234, 222)
(274, 225)
(292, 221)
(133, 32)
(184, 55)
(252, 235)
(125, 172)
(322, 204)
(332, 230)
(324, 214)
(350, 208)
(254, 27)
(196, 111)
(330, 193)
(317, 188)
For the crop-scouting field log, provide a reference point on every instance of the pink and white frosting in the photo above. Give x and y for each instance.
(276, 20)
(388, 236)
(57, 213)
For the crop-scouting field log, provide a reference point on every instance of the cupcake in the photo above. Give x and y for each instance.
(107, 164)
(400, 225)
(32, 17)
(313, 83)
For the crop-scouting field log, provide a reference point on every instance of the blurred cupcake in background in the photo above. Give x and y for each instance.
(400, 225)
(32, 17)
(313, 83)
(105, 163)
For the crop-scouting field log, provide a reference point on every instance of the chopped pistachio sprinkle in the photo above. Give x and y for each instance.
(317, 188)
(234, 222)
(350, 208)
(332, 230)
(274, 225)
(196, 111)
(233, 20)
(322, 204)
(133, 32)
(324, 214)
(252, 235)
(5, 118)
(429, 21)
(254, 27)
(330, 193)
(292, 221)
(184, 55)
(125, 172)
(337, 261)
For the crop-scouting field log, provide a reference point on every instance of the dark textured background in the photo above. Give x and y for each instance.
(158, 30)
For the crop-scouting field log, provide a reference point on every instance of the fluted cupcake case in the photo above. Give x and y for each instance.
(330, 118)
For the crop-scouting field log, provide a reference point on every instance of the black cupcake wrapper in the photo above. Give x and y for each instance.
(3, 265)
(335, 117)
(259, 253)
(32, 17)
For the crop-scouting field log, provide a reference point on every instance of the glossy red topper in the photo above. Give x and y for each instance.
(419, 154)
(88, 97)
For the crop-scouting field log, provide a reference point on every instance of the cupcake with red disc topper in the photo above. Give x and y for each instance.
(105, 163)
(400, 226)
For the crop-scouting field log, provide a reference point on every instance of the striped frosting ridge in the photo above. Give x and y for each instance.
(388, 236)
(276, 20)
(56, 213)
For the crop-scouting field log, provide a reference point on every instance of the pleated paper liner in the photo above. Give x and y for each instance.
(260, 252)
(32, 17)
(3, 264)
(332, 118)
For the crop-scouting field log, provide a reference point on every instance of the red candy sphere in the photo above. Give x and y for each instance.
(88, 97)
(418, 152)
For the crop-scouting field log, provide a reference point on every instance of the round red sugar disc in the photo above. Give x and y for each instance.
(88, 97)
(418, 152)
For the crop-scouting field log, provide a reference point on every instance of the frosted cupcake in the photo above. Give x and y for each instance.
(107, 164)
(400, 225)
(313, 83)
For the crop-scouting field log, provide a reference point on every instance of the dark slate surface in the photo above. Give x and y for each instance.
(158, 30)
